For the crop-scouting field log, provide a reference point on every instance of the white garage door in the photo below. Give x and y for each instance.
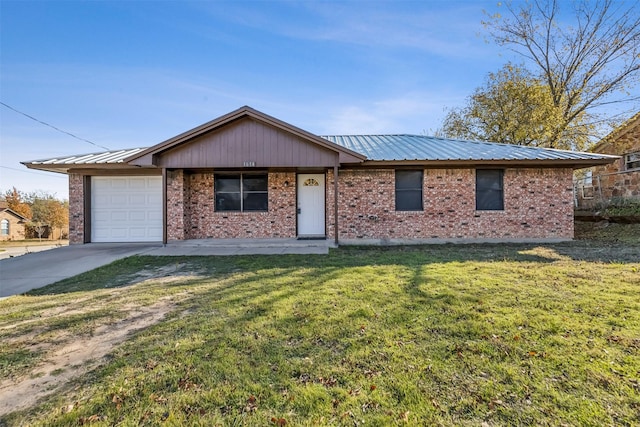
(126, 209)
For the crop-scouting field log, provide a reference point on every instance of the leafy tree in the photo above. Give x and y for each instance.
(41, 219)
(591, 63)
(44, 211)
(17, 202)
(514, 107)
(59, 212)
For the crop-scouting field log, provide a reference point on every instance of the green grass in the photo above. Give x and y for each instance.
(623, 207)
(443, 335)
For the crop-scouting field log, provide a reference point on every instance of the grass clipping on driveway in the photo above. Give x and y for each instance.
(444, 335)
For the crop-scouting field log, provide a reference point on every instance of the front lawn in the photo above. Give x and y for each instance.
(444, 335)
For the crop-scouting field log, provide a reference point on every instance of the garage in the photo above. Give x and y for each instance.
(126, 209)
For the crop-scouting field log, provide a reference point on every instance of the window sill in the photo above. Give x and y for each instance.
(239, 212)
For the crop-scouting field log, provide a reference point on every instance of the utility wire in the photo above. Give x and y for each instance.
(53, 127)
(33, 172)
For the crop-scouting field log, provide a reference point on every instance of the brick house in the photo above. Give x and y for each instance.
(12, 224)
(619, 180)
(250, 175)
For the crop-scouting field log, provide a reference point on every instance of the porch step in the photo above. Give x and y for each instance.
(251, 243)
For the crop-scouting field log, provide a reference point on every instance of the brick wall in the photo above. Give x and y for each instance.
(191, 200)
(612, 181)
(178, 206)
(538, 204)
(76, 209)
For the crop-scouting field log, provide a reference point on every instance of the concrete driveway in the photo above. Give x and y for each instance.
(14, 251)
(35, 270)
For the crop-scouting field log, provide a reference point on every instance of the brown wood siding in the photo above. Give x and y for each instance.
(247, 141)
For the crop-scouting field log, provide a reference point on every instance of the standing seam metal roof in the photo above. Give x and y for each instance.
(385, 148)
(419, 147)
(108, 157)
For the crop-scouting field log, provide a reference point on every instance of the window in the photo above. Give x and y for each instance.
(4, 227)
(409, 190)
(241, 192)
(489, 190)
(632, 161)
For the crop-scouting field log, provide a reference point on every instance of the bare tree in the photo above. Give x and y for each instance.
(586, 65)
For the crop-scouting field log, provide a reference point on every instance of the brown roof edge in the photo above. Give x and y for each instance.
(245, 111)
(65, 168)
(48, 168)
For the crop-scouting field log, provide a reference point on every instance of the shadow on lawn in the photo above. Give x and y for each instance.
(355, 256)
(239, 293)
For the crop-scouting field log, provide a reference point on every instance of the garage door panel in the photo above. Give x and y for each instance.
(155, 217)
(139, 232)
(118, 216)
(100, 199)
(100, 185)
(120, 233)
(118, 183)
(101, 216)
(138, 199)
(115, 200)
(126, 209)
(154, 198)
(139, 216)
(137, 184)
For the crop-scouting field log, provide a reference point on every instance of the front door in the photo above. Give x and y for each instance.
(311, 205)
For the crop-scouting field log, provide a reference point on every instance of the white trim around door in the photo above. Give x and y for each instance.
(311, 205)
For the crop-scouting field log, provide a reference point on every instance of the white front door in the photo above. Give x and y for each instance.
(311, 205)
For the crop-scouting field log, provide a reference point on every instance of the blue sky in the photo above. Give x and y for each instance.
(126, 74)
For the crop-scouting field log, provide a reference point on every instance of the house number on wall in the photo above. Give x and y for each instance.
(249, 164)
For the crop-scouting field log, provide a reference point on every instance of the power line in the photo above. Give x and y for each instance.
(53, 127)
(33, 172)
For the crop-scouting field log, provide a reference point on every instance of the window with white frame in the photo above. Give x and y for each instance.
(632, 161)
(241, 192)
(4, 227)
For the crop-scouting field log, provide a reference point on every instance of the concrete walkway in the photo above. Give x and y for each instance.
(14, 251)
(35, 270)
(224, 247)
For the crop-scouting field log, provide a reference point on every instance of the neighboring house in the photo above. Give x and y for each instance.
(250, 175)
(11, 224)
(617, 181)
(43, 231)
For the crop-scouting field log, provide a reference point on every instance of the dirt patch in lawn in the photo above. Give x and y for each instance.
(72, 358)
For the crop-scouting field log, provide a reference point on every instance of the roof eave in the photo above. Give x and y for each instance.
(69, 168)
(618, 132)
(14, 213)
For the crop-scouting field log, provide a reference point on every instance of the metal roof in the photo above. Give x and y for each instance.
(429, 148)
(390, 148)
(106, 157)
